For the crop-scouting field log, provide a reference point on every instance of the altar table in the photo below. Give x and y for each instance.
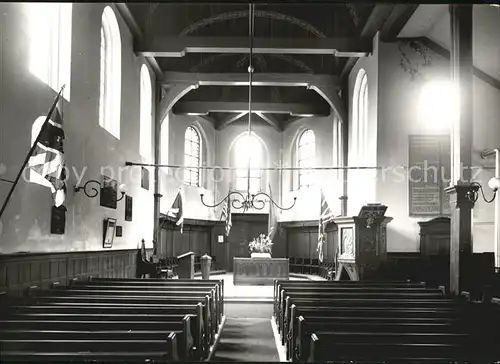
(259, 271)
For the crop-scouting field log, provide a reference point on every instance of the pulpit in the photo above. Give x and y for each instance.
(186, 266)
(362, 242)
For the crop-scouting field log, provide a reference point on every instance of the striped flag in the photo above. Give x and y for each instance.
(326, 215)
(46, 164)
(176, 212)
(226, 215)
(273, 217)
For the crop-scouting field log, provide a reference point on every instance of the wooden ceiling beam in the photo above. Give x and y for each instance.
(374, 23)
(259, 79)
(206, 107)
(160, 46)
(137, 34)
(270, 120)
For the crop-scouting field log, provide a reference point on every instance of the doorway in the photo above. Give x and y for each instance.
(245, 228)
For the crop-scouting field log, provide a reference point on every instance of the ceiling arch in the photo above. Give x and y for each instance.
(258, 13)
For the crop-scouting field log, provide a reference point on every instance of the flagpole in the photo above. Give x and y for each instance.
(26, 160)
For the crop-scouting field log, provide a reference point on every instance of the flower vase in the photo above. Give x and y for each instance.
(260, 255)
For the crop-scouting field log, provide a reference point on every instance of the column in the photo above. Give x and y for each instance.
(461, 146)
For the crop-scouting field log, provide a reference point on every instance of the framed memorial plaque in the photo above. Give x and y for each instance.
(128, 208)
(428, 174)
(109, 228)
(58, 220)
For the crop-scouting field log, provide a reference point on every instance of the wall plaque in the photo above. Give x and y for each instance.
(128, 208)
(145, 178)
(58, 220)
(109, 227)
(109, 192)
(428, 174)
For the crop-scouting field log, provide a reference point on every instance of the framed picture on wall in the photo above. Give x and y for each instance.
(109, 192)
(109, 232)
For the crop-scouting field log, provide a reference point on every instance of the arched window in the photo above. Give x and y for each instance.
(49, 33)
(146, 113)
(248, 150)
(359, 135)
(110, 84)
(306, 157)
(192, 156)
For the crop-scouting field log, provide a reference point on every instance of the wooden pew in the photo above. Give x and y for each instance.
(117, 313)
(401, 332)
(50, 328)
(78, 350)
(343, 286)
(355, 317)
(340, 294)
(209, 316)
(115, 309)
(358, 302)
(214, 308)
(326, 346)
(130, 282)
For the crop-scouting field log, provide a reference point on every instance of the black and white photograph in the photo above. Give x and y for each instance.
(250, 181)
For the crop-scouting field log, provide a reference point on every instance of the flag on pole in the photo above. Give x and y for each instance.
(326, 215)
(47, 161)
(226, 215)
(176, 212)
(273, 217)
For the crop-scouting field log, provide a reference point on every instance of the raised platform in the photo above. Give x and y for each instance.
(259, 271)
(252, 293)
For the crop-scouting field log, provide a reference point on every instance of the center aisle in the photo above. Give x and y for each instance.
(247, 339)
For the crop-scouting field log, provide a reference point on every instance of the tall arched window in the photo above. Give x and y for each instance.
(248, 150)
(306, 157)
(49, 33)
(359, 135)
(146, 113)
(110, 84)
(192, 156)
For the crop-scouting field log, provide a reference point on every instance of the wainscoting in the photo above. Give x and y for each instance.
(20, 271)
(301, 239)
(196, 237)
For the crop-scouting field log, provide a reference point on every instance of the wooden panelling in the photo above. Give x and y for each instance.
(196, 237)
(18, 272)
(301, 240)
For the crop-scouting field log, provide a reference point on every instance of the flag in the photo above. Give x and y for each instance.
(47, 161)
(273, 217)
(226, 213)
(325, 216)
(176, 212)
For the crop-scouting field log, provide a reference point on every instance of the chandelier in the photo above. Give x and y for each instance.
(249, 200)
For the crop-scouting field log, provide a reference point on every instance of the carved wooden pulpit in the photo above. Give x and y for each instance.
(362, 242)
(186, 266)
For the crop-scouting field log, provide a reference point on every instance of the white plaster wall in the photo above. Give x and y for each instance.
(308, 202)
(171, 179)
(88, 147)
(362, 182)
(399, 117)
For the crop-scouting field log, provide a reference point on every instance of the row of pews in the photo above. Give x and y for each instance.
(114, 320)
(379, 322)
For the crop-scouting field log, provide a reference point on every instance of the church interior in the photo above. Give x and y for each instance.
(317, 185)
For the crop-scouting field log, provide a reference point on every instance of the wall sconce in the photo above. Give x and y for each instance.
(94, 191)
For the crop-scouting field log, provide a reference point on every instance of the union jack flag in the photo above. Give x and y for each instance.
(46, 164)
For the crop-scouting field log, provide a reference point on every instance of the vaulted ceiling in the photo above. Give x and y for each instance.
(315, 39)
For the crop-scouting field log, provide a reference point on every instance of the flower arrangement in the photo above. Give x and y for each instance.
(261, 244)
